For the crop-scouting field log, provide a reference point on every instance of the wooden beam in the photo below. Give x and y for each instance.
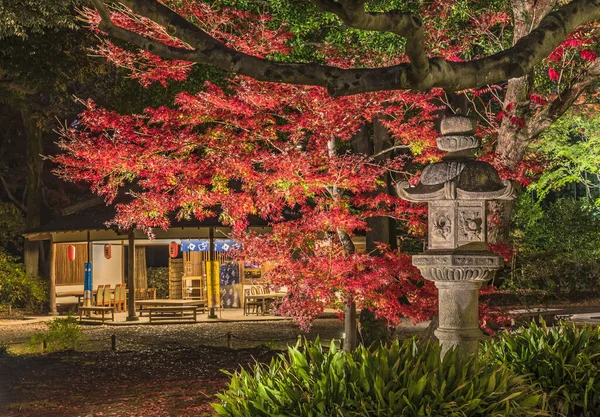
(37, 236)
(52, 284)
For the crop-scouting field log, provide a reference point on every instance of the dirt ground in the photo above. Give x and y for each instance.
(165, 370)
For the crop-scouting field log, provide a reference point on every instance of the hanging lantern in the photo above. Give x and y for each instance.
(108, 251)
(173, 249)
(71, 253)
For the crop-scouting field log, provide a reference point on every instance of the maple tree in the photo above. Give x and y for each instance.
(545, 49)
(262, 148)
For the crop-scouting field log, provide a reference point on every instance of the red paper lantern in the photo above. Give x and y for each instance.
(71, 253)
(173, 249)
(108, 251)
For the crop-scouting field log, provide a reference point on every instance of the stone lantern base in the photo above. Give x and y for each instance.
(458, 275)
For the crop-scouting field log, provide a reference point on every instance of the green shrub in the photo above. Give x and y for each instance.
(63, 333)
(158, 277)
(563, 360)
(12, 225)
(4, 349)
(558, 246)
(17, 289)
(402, 380)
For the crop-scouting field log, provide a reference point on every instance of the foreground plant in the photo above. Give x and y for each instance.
(4, 349)
(17, 289)
(62, 334)
(564, 361)
(401, 380)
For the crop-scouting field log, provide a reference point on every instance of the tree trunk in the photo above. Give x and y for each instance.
(350, 323)
(500, 231)
(33, 202)
(513, 140)
(381, 230)
(350, 327)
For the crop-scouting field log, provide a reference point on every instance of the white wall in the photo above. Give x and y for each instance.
(107, 271)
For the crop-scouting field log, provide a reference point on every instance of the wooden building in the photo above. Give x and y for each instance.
(81, 237)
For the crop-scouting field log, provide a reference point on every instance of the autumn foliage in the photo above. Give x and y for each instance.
(280, 152)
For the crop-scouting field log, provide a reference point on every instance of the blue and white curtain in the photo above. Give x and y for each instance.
(203, 245)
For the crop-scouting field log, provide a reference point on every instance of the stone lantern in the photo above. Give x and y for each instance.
(457, 258)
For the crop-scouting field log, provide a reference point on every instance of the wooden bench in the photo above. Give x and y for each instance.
(145, 305)
(172, 313)
(96, 309)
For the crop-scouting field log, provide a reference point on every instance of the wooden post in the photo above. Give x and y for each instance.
(211, 258)
(131, 278)
(52, 286)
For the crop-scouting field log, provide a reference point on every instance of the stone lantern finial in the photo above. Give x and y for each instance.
(458, 260)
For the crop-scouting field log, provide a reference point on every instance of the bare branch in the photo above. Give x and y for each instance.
(393, 148)
(452, 76)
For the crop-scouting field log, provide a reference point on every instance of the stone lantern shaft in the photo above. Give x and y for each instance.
(457, 258)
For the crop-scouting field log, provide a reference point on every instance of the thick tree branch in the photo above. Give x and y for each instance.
(407, 25)
(555, 109)
(452, 76)
(514, 140)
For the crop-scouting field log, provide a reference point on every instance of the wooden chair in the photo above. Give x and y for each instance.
(100, 295)
(141, 294)
(120, 297)
(151, 293)
(116, 296)
(250, 303)
(107, 295)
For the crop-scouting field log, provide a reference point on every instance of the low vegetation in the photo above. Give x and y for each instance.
(17, 289)
(558, 246)
(4, 349)
(158, 277)
(404, 379)
(536, 371)
(564, 361)
(63, 333)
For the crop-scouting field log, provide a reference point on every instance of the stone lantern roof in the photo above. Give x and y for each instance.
(458, 176)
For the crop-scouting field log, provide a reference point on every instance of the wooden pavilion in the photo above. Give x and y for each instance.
(81, 236)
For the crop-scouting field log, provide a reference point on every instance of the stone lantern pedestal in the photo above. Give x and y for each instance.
(458, 259)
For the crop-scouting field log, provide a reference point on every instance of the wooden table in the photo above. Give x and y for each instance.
(168, 303)
(266, 297)
(96, 309)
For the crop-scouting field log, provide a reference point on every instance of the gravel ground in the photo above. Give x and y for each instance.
(274, 334)
(157, 370)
